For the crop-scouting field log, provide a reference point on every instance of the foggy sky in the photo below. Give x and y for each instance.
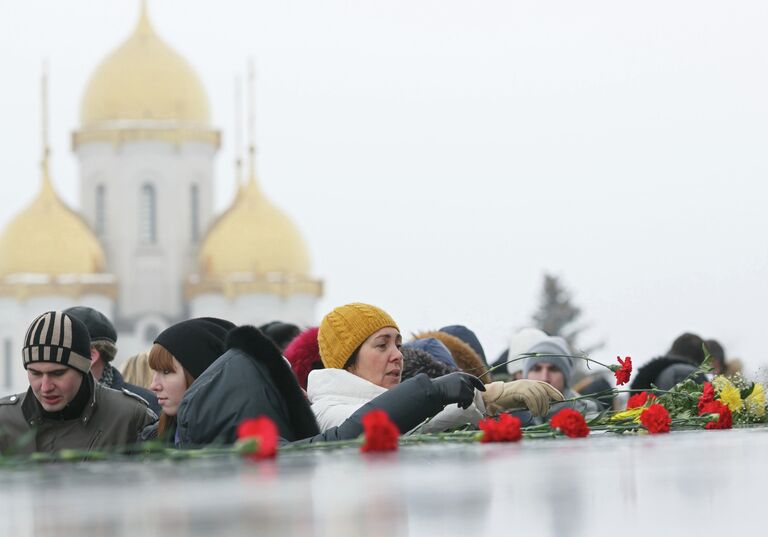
(439, 156)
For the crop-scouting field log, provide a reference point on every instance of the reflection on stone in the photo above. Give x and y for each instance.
(601, 485)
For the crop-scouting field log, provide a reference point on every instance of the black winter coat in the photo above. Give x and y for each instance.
(118, 383)
(252, 379)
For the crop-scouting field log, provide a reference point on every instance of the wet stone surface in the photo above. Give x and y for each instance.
(703, 482)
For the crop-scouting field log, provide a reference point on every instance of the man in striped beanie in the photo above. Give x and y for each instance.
(64, 406)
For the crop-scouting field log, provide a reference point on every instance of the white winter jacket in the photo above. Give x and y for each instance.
(335, 394)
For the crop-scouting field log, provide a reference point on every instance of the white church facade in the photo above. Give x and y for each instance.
(146, 247)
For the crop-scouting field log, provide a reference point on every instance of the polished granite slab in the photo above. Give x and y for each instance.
(697, 483)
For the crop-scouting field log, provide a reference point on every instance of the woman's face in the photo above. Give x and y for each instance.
(379, 360)
(169, 387)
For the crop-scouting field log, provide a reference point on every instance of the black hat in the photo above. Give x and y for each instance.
(196, 343)
(280, 333)
(99, 327)
(60, 338)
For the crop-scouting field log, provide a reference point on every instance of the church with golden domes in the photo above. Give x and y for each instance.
(145, 247)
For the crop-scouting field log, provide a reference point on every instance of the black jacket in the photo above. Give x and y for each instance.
(119, 384)
(252, 379)
(664, 372)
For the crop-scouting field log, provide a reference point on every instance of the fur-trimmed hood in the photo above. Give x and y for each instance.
(649, 373)
(261, 349)
(466, 358)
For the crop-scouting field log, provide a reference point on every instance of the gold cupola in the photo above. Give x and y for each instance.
(48, 249)
(49, 238)
(253, 247)
(144, 90)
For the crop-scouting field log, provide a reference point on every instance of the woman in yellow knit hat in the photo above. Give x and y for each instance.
(360, 349)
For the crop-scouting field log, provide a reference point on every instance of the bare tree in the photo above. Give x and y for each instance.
(558, 316)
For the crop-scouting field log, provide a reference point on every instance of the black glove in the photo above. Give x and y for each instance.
(458, 388)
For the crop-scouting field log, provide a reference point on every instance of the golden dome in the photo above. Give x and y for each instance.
(144, 79)
(49, 238)
(253, 236)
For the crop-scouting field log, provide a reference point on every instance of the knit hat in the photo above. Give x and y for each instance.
(519, 344)
(303, 354)
(435, 348)
(344, 329)
(468, 337)
(416, 361)
(466, 359)
(553, 345)
(196, 343)
(58, 337)
(99, 327)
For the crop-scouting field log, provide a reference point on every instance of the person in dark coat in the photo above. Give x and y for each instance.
(280, 333)
(64, 407)
(680, 363)
(253, 379)
(664, 372)
(179, 355)
(103, 352)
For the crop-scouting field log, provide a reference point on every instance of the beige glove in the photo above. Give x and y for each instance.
(535, 395)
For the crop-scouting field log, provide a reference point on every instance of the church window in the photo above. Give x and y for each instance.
(100, 217)
(194, 211)
(8, 363)
(148, 215)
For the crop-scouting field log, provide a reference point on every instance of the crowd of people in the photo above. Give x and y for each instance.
(203, 377)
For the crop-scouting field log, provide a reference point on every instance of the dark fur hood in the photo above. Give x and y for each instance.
(261, 349)
(649, 373)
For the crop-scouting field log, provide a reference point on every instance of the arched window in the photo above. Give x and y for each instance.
(194, 212)
(100, 215)
(8, 364)
(148, 215)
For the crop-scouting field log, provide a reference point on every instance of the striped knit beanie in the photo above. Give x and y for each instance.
(346, 328)
(59, 338)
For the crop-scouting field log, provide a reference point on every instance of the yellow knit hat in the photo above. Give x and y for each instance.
(346, 328)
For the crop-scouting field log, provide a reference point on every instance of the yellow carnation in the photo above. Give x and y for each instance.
(731, 397)
(755, 402)
(631, 414)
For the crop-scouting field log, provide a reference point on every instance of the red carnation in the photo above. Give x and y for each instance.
(380, 433)
(707, 396)
(623, 370)
(505, 429)
(725, 418)
(656, 419)
(570, 422)
(264, 431)
(640, 399)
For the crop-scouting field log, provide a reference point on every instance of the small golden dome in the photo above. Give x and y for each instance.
(49, 238)
(144, 79)
(253, 236)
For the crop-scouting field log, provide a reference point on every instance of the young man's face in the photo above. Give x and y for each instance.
(549, 373)
(54, 385)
